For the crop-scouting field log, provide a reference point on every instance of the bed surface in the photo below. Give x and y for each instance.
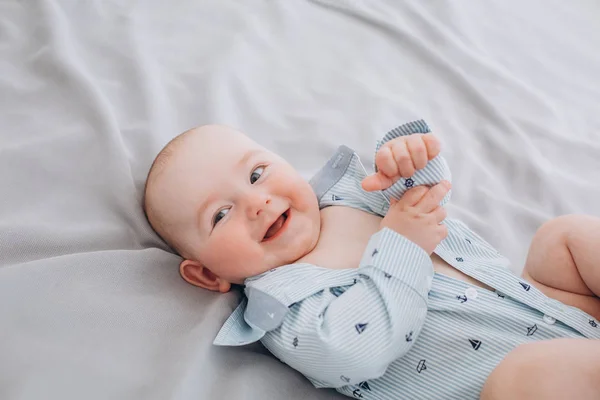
(91, 302)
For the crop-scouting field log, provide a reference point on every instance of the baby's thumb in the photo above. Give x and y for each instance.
(376, 181)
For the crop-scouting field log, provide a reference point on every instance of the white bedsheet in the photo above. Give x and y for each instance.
(91, 303)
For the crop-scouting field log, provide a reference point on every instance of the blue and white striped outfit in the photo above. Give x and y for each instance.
(393, 328)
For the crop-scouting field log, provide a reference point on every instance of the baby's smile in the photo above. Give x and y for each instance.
(278, 227)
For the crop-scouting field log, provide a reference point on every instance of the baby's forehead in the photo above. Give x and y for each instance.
(211, 154)
(221, 138)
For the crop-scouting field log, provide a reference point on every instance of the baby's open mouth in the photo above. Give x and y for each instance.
(277, 225)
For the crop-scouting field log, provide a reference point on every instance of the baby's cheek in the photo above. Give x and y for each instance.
(237, 255)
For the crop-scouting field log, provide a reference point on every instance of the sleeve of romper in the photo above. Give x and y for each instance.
(435, 171)
(343, 336)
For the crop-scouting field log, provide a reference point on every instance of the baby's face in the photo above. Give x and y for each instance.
(237, 208)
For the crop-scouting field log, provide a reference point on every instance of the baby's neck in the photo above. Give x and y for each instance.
(343, 238)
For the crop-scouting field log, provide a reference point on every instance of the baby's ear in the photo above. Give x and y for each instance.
(198, 275)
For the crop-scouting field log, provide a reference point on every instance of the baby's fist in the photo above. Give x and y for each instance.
(400, 158)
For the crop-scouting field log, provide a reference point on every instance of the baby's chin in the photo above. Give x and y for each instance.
(302, 248)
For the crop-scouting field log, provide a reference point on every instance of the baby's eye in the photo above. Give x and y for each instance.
(256, 174)
(220, 215)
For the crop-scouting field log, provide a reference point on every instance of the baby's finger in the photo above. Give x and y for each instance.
(376, 181)
(418, 150)
(433, 146)
(433, 197)
(384, 159)
(442, 231)
(414, 195)
(404, 161)
(440, 214)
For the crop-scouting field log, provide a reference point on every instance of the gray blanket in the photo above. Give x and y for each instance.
(91, 302)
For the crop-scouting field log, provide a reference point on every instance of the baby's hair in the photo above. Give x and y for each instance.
(158, 165)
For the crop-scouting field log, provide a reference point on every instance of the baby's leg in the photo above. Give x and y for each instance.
(564, 261)
(549, 370)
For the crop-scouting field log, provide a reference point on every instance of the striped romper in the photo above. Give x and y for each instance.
(393, 328)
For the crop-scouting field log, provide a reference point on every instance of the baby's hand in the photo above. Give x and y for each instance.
(401, 157)
(418, 216)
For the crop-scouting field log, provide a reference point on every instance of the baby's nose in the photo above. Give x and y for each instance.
(257, 204)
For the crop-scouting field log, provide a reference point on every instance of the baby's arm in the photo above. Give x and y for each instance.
(406, 157)
(338, 338)
(348, 339)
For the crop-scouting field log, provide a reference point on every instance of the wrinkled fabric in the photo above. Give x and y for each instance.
(91, 302)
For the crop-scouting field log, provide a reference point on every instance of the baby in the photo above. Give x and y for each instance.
(360, 282)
